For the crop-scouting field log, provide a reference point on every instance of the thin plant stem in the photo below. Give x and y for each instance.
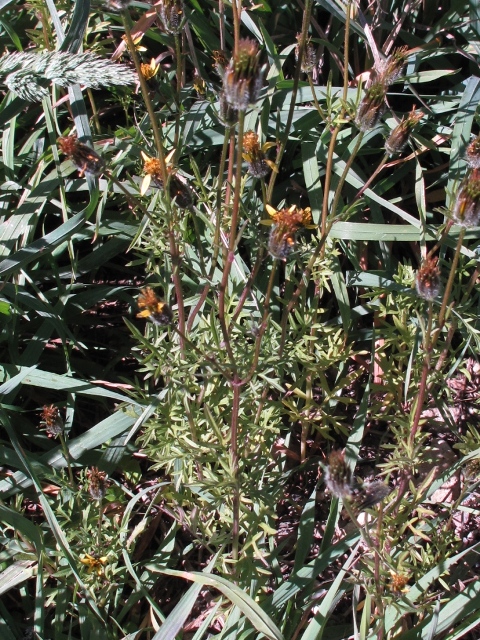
(372, 177)
(321, 112)
(178, 56)
(236, 388)
(232, 240)
(422, 390)
(99, 524)
(66, 455)
(263, 325)
(451, 278)
(96, 121)
(296, 80)
(348, 164)
(146, 97)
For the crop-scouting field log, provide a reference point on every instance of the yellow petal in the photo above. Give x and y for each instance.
(270, 210)
(145, 184)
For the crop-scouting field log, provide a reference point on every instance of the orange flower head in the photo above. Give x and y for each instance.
(52, 420)
(83, 157)
(153, 308)
(97, 483)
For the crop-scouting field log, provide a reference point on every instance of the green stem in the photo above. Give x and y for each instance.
(66, 455)
(146, 97)
(296, 80)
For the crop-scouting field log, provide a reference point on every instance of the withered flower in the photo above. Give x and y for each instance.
(153, 308)
(254, 155)
(97, 484)
(285, 224)
(391, 69)
(473, 153)
(52, 420)
(398, 139)
(242, 78)
(371, 107)
(172, 15)
(338, 476)
(466, 211)
(427, 281)
(309, 58)
(83, 157)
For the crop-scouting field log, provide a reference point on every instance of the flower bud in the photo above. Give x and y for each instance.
(338, 476)
(390, 69)
(427, 281)
(172, 15)
(242, 79)
(309, 58)
(473, 153)
(97, 486)
(397, 140)
(466, 211)
(371, 107)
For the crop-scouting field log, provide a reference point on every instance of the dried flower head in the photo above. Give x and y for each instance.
(370, 493)
(391, 69)
(97, 485)
(52, 420)
(172, 15)
(149, 71)
(398, 139)
(473, 153)
(338, 476)
(466, 211)
(153, 308)
(398, 583)
(178, 187)
(427, 281)
(242, 78)
(371, 107)
(309, 58)
(258, 164)
(94, 563)
(285, 224)
(83, 157)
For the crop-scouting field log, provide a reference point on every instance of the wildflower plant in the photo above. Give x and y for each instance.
(195, 416)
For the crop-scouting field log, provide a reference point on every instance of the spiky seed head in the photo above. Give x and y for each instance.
(398, 139)
(466, 211)
(371, 107)
(427, 281)
(338, 476)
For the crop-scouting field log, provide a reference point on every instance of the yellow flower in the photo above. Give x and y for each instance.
(398, 583)
(153, 308)
(149, 70)
(94, 564)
